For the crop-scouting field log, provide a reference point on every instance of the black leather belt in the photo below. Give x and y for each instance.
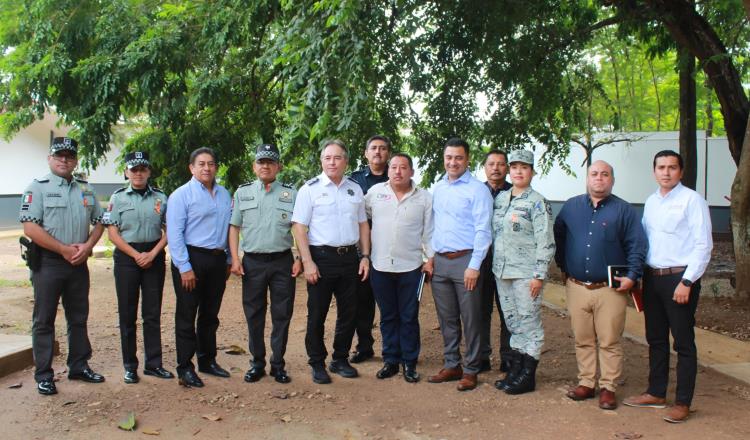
(341, 250)
(666, 271)
(46, 253)
(267, 256)
(206, 251)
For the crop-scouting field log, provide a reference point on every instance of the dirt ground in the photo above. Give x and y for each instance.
(347, 409)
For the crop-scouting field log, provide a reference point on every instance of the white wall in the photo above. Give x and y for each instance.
(25, 157)
(633, 167)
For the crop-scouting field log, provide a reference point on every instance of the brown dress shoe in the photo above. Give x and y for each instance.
(645, 400)
(677, 413)
(446, 374)
(607, 399)
(468, 382)
(580, 392)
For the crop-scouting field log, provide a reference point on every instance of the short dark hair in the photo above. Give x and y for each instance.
(495, 151)
(457, 142)
(379, 137)
(202, 150)
(668, 153)
(404, 155)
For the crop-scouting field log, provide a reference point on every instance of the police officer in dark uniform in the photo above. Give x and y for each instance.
(263, 212)
(377, 152)
(56, 212)
(135, 219)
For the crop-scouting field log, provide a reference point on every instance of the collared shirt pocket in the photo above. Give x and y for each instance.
(250, 211)
(284, 215)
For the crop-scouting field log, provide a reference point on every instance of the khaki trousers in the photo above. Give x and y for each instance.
(597, 315)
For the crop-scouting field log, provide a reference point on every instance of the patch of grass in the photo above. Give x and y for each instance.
(14, 283)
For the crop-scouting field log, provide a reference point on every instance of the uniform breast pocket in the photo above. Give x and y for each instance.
(352, 206)
(610, 233)
(284, 216)
(249, 209)
(325, 206)
(127, 214)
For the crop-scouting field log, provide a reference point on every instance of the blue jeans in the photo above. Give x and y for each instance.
(396, 295)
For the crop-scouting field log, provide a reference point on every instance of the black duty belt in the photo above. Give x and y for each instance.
(206, 251)
(267, 256)
(340, 250)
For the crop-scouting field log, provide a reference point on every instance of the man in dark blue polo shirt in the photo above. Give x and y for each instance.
(594, 231)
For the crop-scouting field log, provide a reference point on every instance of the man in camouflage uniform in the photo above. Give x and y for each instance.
(524, 244)
(56, 212)
(263, 212)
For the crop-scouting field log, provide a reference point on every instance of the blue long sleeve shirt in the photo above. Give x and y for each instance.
(197, 218)
(589, 238)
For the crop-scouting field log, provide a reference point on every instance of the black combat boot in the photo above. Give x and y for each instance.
(516, 364)
(526, 380)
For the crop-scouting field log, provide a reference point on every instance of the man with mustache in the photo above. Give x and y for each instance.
(377, 152)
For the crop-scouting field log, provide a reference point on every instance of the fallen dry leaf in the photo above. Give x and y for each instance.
(211, 417)
(628, 435)
(287, 418)
(16, 385)
(148, 431)
(235, 349)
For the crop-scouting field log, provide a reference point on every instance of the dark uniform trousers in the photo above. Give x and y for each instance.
(55, 279)
(264, 272)
(199, 337)
(338, 277)
(662, 314)
(489, 295)
(365, 316)
(132, 282)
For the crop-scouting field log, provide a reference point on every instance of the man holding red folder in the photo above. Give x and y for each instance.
(594, 231)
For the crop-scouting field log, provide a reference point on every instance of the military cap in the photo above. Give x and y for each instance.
(267, 151)
(523, 156)
(63, 144)
(136, 159)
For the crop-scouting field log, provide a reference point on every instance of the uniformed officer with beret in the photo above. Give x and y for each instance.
(263, 213)
(135, 219)
(57, 211)
(329, 220)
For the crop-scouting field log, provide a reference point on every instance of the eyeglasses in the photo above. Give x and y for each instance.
(64, 158)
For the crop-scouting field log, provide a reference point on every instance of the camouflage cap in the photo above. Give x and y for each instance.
(524, 156)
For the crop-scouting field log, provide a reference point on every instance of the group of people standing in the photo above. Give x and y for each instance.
(374, 237)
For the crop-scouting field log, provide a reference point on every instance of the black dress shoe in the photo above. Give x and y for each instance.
(214, 369)
(410, 374)
(131, 376)
(320, 375)
(46, 387)
(388, 370)
(190, 379)
(343, 369)
(360, 356)
(281, 376)
(485, 365)
(254, 374)
(159, 372)
(87, 375)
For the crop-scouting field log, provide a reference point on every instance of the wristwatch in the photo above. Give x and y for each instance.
(364, 256)
(686, 282)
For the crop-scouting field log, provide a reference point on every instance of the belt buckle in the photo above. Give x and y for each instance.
(341, 250)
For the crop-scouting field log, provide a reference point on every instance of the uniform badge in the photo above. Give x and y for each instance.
(109, 207)
(157, 206)
(27, 198)
(516, 227)
(283, 216)
(350, 192)
(285, 194)
(85, 201)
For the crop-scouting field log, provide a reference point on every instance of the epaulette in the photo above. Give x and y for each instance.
(155, 189)
(42, 179)
(352, 179)
(287, 185)
(246, 184)
(312, 181)
(120, 190)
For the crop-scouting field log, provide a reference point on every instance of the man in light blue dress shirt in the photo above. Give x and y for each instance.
(462, 209)
(197, 226)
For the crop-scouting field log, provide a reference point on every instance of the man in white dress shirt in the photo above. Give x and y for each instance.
(678, 227)
(328, 221)
(402, 226)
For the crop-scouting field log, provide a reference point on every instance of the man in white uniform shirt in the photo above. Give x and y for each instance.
(328, 221)
(678, 227)
(402, 226)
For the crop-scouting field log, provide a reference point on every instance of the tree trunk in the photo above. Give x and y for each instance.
(709, 109)
(741, 220)
(688, 141)
(692, 32)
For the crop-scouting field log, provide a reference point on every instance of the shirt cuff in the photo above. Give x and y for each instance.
(186, 267)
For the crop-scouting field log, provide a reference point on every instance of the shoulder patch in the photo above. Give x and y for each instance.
(312, 181)
(246, 184)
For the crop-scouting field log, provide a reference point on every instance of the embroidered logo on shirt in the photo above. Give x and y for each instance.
(157, 206)
(350, 191)
(27, 198)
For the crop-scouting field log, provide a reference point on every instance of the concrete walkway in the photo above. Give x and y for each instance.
(722, 353)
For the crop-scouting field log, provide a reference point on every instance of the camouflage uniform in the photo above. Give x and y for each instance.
(524, 244)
